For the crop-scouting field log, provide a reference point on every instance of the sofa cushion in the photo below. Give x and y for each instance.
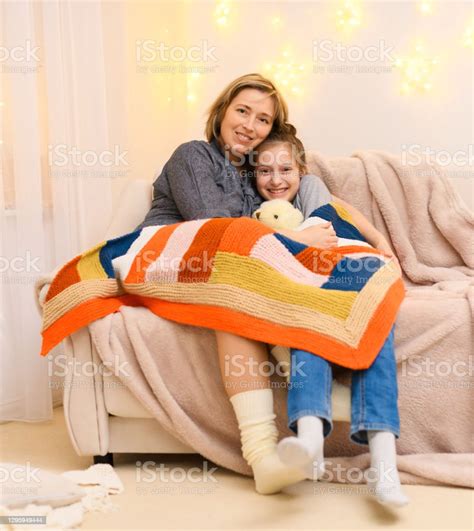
(119, 401)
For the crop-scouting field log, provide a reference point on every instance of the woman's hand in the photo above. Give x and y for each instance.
(321, 236)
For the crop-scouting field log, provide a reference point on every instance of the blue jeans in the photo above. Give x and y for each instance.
(374, 393)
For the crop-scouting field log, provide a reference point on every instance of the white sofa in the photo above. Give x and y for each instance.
(102, 416)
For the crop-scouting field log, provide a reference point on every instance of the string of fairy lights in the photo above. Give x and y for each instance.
(416, 68)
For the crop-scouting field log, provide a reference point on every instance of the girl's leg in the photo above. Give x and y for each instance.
(252, 399)
(375, 421)
(309, 412)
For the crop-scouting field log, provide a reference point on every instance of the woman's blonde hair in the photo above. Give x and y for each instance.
(222, 102)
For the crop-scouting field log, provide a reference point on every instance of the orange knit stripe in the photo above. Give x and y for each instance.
(65, 278)
(321, 261)
(241, 235)
(199, 257)
(81, 316)
(380, 324)
(349, 249)
(235, 322)
(150, 252)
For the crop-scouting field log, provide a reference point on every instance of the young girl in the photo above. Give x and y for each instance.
(281, 174)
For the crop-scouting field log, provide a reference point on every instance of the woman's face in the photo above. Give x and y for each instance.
(247, 122)
(278, 174)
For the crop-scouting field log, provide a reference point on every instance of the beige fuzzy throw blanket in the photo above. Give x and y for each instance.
(174, 368)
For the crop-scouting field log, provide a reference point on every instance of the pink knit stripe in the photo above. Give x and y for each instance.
(272, 252)
(166, 268)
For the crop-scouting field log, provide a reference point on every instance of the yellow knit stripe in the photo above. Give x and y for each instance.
(371, 295)
(349, 331)
(89, 266)
(247, 302)
(254, 275)
(342, 212)
(76, 294)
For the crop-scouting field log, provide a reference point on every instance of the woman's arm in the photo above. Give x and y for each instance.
(190, 172)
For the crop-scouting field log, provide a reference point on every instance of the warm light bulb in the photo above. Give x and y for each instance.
(286, 72)
(417, 71)
(276, 22)
(349, 13)
(221, 13)
(469, 35)
(425, 7)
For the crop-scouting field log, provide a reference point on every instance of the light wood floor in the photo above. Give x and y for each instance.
(230, 502)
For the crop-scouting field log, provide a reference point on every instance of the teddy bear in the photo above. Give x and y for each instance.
(279, 214)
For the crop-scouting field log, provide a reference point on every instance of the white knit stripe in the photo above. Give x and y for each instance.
(311, 222)
(355, 256)
(342, 242)
(271, 251)
(122, 264)
(167, 267)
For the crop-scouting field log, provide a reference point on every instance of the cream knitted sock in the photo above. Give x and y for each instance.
(383, 460)
(254, 412)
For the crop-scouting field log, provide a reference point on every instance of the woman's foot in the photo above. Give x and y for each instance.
(258, 432)
(271, 475)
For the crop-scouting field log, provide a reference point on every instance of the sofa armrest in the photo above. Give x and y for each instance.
(132, 206)
(84, 405)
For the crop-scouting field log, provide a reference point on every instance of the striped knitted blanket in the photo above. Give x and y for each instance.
(237, 275)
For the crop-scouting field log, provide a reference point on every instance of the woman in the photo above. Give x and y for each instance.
(208, 179)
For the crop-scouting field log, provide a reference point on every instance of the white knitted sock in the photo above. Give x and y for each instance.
(302, 450)
(383, 460)
(254, 412)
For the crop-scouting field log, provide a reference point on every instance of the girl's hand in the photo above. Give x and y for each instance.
(382, 245)
(322, 236)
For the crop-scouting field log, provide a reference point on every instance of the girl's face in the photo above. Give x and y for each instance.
(247, 122)
(278, 174)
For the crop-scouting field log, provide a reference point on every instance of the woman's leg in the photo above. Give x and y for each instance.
(309, 412)
(249, 391)
(375, 421)
(241, 360)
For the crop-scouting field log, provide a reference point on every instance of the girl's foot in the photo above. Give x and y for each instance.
(303, 450)
(383, 457)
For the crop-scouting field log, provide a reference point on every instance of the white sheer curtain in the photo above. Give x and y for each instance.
(60, 163)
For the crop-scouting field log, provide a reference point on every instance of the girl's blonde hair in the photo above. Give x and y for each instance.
(287, 135)
(222, 102)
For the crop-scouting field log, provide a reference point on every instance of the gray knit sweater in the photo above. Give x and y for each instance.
(198, 182)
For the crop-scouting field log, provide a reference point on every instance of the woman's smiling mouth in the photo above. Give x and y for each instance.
(243, 138)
